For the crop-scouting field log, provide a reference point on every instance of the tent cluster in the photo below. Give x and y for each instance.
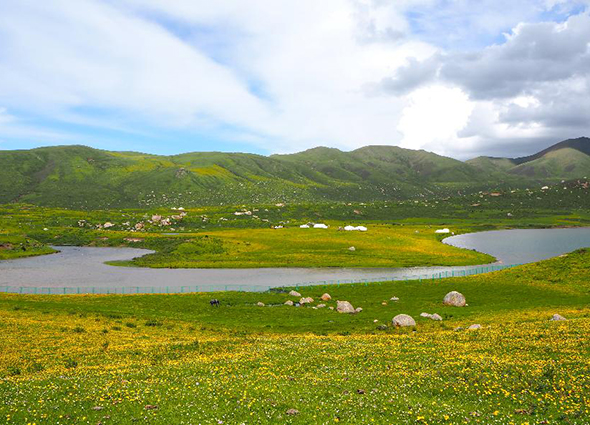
(357, 228)
(315, 226)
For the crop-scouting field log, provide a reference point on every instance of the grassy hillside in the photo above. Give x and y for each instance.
(85, 178)
(162, 359)
(569, 159)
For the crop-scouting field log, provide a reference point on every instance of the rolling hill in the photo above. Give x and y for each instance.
(87, 178)
(569, 159)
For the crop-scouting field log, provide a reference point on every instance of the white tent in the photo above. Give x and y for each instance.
(349, 228)
(304, 226)
(361, 228)
(442, 231)
(320, 226)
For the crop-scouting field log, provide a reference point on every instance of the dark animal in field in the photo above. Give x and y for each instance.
(214, 303)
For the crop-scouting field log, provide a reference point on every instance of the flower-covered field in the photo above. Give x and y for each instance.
(173, 359)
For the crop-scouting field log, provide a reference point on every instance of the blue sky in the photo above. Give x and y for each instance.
(456, 77)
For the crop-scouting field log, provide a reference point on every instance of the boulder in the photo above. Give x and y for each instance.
(260, 304)
(475, 326)
(292, 412)
(321, 305)
(352, 248)
(294, 294)
(326, 297)
(358, 310)
(305, 300)
(394, 299)
(455, 299)
(403, 320)
(289, 302)
(426, 315)
(344, 307)
(557, 318)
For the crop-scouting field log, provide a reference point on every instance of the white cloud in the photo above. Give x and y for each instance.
(433, 118)
(280, 74)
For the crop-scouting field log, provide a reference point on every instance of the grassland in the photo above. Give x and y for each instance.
(165, 359)
(401, 233)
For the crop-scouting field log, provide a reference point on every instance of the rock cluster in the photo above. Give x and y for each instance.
(434, 316)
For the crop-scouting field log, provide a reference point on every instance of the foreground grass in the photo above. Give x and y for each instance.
(166, 359)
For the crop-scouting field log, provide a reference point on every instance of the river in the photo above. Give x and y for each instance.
(82, 269)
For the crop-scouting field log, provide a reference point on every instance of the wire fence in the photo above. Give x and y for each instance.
(33, 290)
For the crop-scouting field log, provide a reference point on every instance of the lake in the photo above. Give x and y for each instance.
(524, 245)
(82, 269)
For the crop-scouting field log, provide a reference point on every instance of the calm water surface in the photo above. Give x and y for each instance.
(75, 267)
(524, 246)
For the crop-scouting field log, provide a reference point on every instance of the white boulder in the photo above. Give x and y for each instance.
(345, 307)
(403, 320)
(455, 299)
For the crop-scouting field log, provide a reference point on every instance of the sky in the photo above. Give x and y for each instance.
(461, 78)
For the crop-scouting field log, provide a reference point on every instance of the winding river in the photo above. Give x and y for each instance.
(82, 270)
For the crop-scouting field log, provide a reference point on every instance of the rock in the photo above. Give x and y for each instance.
(97, 408)
(358, 310)
(294, 294)
(455, 299)
(292, 412)
(475, 326)
(460, 328)
(360, 391)
(260, 304)
(344, 307)
(557, 318)
(394, 299)
(382, 327)
(331, 308)
(321, 305)
(151, 407)
(289, 302)
(403, 320)
(326, 297)
(352, 248)
(376, 320)
(431, 316)
(384, 303)
(306, 300)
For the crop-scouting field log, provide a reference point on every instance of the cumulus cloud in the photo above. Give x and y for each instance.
(534, 85)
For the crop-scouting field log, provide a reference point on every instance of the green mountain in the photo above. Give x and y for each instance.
(83, 177)
(569, 159)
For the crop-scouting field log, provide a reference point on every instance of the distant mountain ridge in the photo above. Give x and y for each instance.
(564, 160)
(83, 177)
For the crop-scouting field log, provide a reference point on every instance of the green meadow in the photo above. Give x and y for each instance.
(165, 359)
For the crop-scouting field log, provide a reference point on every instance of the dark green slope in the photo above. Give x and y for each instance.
(569, 159)
(82, 177)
